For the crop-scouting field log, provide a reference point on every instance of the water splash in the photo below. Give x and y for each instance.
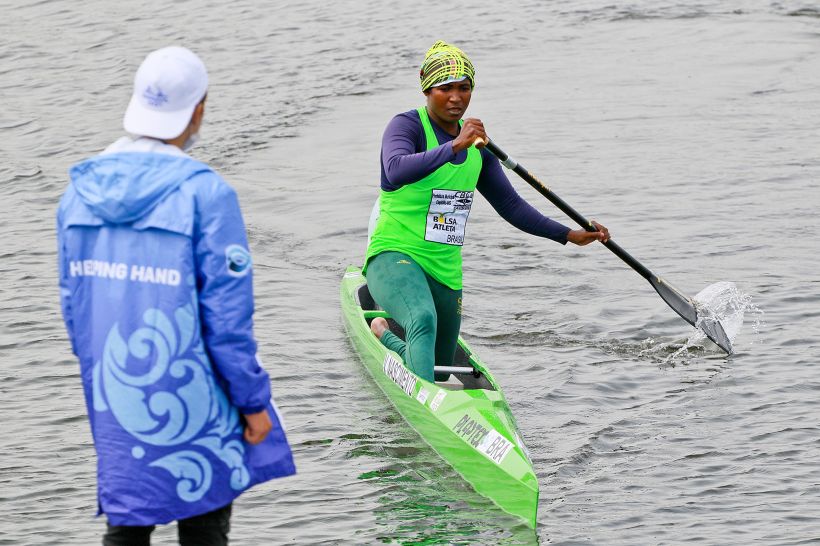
(724, 302)
(721, 301)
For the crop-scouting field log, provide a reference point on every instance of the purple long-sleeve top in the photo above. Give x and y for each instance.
(405, 160)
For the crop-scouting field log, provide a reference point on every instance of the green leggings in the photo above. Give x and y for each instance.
(429, 312)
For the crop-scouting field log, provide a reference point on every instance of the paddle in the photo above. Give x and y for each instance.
(682, 305)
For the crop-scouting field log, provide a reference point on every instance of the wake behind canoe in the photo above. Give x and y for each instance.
(465, 419)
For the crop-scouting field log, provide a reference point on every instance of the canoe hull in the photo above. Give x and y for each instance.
(472, 429)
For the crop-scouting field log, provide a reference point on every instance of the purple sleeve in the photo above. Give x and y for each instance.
(402, 163)
(496, 188)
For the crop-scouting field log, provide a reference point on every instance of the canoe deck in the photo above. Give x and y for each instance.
(464, 418)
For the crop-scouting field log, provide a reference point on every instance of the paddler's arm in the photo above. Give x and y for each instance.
(226, 305)
(402, 164)
(497, 189)
(494, 185)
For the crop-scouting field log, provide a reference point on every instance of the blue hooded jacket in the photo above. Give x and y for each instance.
(156, 292)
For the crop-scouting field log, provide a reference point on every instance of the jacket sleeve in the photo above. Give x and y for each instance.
(65, 290)
(225, 288)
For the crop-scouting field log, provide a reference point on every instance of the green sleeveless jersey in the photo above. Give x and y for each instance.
(427, 219)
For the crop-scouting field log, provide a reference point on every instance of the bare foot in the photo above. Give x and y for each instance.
(378, 326)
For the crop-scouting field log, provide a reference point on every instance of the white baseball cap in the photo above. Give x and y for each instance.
(169, 84)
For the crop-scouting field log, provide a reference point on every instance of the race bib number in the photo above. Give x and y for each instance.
(447, 216)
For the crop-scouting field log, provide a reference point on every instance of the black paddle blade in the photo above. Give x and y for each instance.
(686, 309)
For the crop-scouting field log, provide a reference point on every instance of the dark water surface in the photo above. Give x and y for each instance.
(691, 130)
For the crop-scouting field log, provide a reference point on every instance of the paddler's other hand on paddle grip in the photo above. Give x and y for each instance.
(471, 130)
(257, 426)
(583, 237)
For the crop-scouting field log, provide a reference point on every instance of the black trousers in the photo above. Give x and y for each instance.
(210, 529)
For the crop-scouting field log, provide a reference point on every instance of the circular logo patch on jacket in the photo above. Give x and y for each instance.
(238, 260)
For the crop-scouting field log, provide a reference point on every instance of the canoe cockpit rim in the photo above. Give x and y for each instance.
(476, 379)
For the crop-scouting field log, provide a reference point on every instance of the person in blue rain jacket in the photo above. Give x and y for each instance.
(156, 293)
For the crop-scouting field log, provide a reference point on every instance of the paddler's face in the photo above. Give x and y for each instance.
(448, 102)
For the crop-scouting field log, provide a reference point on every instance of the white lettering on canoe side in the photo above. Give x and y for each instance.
(470, 430)
(495, 447)
(437, 399)
(400, 375)
(520, 443)
(487, 441)
(422, 397)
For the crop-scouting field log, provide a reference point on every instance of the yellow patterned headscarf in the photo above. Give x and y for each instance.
(445, 63)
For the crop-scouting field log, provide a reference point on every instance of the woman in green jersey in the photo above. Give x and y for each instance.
(431, 168)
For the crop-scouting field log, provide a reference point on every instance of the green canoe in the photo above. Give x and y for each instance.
(465, 419)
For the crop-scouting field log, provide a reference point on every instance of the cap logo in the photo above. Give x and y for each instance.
(154, 98)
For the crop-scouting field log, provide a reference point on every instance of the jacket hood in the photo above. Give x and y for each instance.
(124, 187)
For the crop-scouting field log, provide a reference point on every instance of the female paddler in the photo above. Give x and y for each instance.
(430, 168)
